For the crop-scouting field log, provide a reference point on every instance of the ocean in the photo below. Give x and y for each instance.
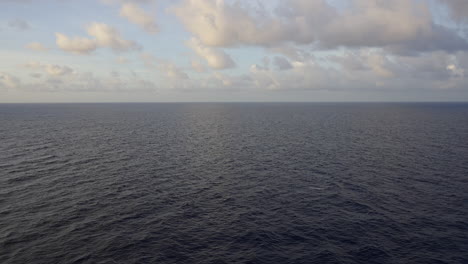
(234, 183)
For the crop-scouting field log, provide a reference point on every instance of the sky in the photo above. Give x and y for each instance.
(233, 50)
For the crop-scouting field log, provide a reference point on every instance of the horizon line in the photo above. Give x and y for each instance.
(233, 102)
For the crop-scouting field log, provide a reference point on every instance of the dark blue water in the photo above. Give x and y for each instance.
(234, 183)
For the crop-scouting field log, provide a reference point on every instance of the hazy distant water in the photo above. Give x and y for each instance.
(234, 183)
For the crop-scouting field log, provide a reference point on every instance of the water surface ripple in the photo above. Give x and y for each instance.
(234, 183)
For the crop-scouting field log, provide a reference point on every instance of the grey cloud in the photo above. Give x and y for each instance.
(35, 75)
(19, 24)
(369, 69)
(459, 8)
(434, 70)
(9, 81)
(350, 61)
(282, 63)
(440, 38)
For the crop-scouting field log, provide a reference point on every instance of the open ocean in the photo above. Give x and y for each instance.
(234, 183)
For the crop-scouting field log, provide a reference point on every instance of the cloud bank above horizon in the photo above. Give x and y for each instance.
(227, 50)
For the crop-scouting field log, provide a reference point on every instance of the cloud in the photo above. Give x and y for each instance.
(104, 35)
(9, 81)
(455, 70)
(50, 69)
(264, 78)
(36, 46)
(333, 45)
(377, 63)
(430, 67)
(404, 25)
(77, 45)
(110, 2)
(439, 38)
(376, 23)
(167, 68)
(57, 70)
(148, 60)
(282, 63)
(15, 1)
(218, 23)
(88, 82)
(19, 24)
(292, 52)
(58, 82)
(197, 66)
(368, 69)
(35, 75)
(107, 36)
(216, 58)
(172, 71)
(459, 8)
(122, 60)
(139, 17)
(358, 70)
(224, 79)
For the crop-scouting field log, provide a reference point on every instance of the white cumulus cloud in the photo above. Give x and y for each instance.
(138, 16)
(104, 35)
(77, 45)
(216, 58)
(400, 25)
